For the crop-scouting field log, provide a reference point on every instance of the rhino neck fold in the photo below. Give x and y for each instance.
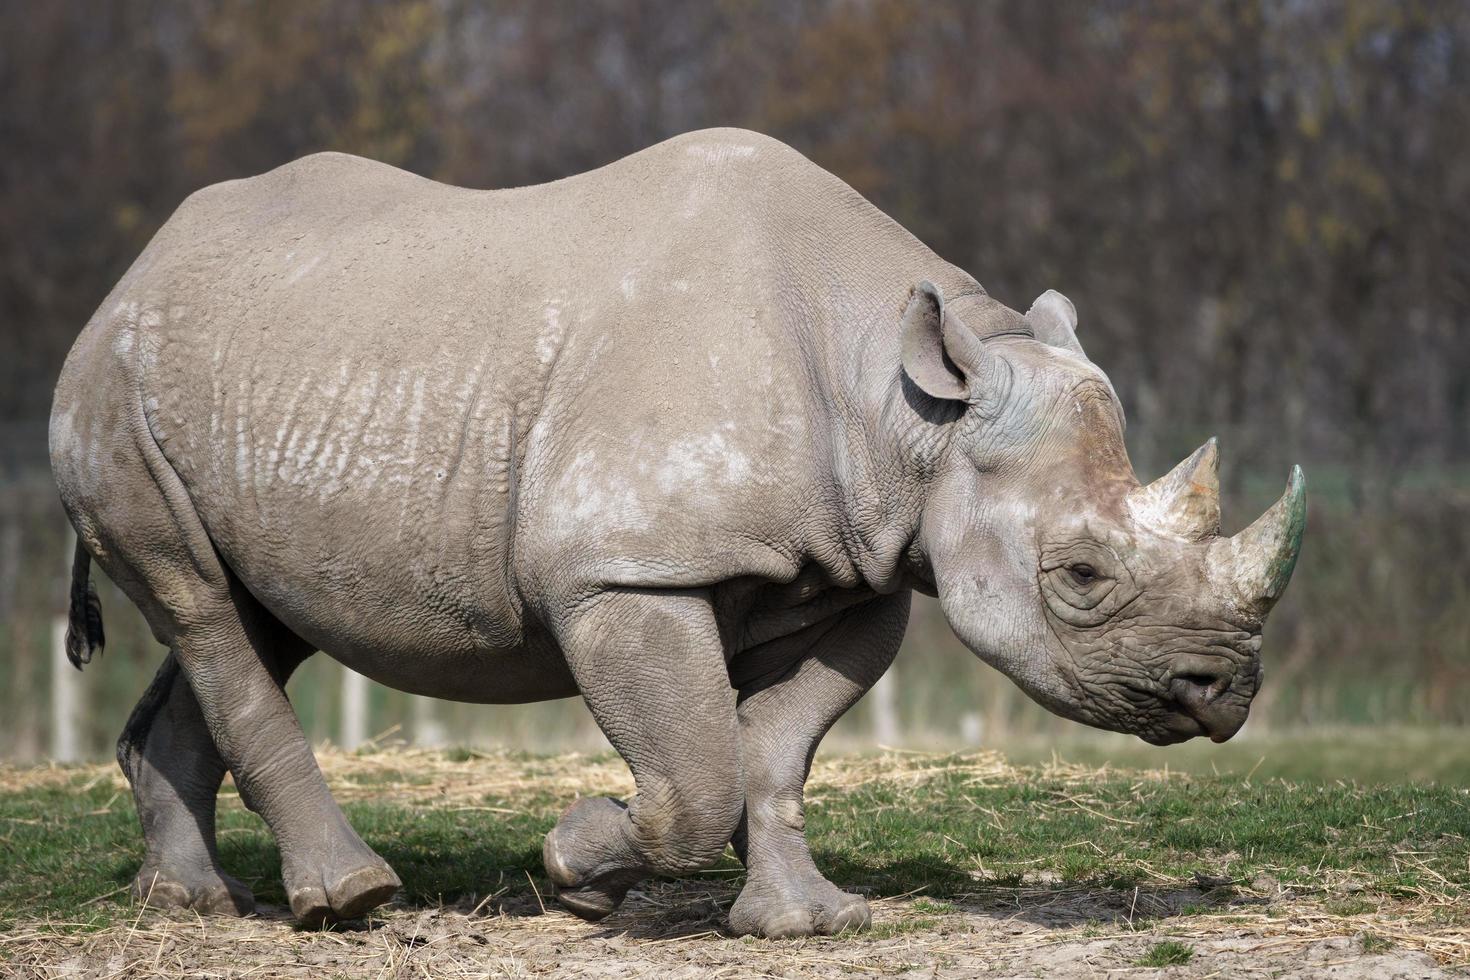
(888, 442)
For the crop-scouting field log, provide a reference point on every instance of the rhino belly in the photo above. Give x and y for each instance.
(406, 612)
(400, 612)
(367, 502)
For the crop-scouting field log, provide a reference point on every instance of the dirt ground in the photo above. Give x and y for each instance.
(1044, 928)
(672, 931)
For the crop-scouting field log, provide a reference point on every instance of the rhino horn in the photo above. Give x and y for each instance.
(1186, 500)
(1259, 560)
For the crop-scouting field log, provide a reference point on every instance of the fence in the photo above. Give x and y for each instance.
(1374, 630)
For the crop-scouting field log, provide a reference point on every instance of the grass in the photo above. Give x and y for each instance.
(1170, 952)
(1124, 830)
(951, 826)
(941, 834)
(1319, 754)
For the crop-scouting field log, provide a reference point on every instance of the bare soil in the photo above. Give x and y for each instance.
(673, 930)
(1043, 928)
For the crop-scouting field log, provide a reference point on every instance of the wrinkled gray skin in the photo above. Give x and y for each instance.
(678, 435)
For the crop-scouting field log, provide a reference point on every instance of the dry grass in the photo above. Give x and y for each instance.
(1041, 925)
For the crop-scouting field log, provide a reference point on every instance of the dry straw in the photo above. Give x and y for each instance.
(674, 929)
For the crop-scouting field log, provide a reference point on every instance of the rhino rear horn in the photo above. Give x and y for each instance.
(1186, 500)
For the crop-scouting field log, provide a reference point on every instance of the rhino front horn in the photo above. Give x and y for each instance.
(1260, 559)
(1186, 500)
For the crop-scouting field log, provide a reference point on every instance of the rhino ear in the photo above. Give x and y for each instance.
(940, 354)
(1053, 319)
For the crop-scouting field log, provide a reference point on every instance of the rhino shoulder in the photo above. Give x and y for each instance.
(303, 180)
(731, 143)
(734, 160)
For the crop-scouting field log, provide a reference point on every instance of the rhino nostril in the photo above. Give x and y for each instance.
(1195, 687)
(1200, 687)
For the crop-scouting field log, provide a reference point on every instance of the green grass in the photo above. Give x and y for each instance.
(1315, 755)
(1347, 907)
(945, 829)
(1170, 952)
(931, 907)
(62, 848)
(1122, 832)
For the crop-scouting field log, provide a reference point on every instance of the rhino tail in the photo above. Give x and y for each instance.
(84, 637)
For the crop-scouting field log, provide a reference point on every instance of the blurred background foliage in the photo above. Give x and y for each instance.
(1259, 208)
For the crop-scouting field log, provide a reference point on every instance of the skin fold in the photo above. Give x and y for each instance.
(679, 436)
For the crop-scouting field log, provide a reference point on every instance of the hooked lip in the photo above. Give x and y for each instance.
(1179, 727)
(1198, 699)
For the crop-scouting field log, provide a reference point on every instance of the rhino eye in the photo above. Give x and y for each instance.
(1082, 575)
(1084, 582)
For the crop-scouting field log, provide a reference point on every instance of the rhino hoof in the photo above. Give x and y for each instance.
(211, 893)
(591, 903)
(351, 896)
(576, 853)
(780, 910)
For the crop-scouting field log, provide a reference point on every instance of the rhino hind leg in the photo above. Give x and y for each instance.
(229, 652)
(329, 873)
(175, 771)
(651, 668)
(781, 725)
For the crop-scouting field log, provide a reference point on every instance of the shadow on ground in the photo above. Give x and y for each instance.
(505, 878)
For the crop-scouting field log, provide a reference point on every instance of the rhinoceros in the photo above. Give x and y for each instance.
(680, 436)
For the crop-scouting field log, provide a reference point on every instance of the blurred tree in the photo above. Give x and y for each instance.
(1259, 208)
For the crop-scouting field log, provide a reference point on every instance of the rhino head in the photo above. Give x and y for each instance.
(1111, 603)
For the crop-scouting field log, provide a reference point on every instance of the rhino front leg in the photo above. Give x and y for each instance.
(651, 667)
(781, 725)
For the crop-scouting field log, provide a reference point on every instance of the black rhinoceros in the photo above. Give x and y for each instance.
(679, 436)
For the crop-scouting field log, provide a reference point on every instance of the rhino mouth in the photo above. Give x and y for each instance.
(1202, 692)
(1181, 725)
(1177, 727)
(1212, 704)
(1203, 700)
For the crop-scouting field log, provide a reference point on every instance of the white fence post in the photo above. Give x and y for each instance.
(885, 709)
(428, 731)
(66, 687)
(354, 709)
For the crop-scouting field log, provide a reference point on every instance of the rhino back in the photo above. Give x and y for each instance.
(421, 402)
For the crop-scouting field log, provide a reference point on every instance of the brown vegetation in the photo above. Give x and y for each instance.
(1286, 922)
(1258, 209)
